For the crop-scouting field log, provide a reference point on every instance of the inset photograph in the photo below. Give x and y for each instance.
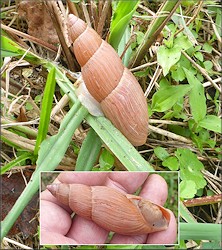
(78, 208)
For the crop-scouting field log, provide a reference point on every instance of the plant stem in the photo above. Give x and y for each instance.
(206, 200)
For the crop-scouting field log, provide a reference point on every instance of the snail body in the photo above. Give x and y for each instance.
(112, 210)
(111, 84)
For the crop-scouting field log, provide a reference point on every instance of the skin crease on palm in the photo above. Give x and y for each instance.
(57, 227)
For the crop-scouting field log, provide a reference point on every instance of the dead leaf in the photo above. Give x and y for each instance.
(39, 21)
(22, 116)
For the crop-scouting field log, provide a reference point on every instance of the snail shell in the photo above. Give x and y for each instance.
(109, 82)
(112, 210)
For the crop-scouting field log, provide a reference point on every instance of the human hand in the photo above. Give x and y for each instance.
(57, 226)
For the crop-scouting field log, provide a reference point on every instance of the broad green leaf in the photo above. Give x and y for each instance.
(120, 20)
(106, 160)
(167, 57)
(208, 65)
(46, 109)
(89, 152)
(171, 162)
(179, 130)
(165, 98)
(187, 189)
(182, 42)
(178, 73)
(161, 153)
(207, 47)
(190, 167)
(199, 56)
(29, 106)
(197, 97)
(211, 122)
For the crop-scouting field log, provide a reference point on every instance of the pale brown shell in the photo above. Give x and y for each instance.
(112, 210)
(109, 82)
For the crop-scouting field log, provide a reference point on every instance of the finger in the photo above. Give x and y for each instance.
(127, 182)
(167, 236)
(126, 239)
(53, 218)
(87, 178)
(48, 238)
(155, 189)
(87, 232)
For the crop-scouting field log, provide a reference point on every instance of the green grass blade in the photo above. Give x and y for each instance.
(89, 152)
(186, 214)
(118, 144)
(45, 109)
(53, 149)
(51, 153)
(9, 47)
(200, 231)
(121, 18)
(16, 162)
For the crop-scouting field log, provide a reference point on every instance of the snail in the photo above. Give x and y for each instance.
(114, 88)
(112, 210)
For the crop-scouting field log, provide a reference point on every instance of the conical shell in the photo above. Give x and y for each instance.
(104, 76)
(113, 210)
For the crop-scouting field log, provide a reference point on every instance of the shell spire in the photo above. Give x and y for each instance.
(110, 82)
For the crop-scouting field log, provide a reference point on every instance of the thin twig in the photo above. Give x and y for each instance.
(86, 13)
(145, 65)
(169, 134)
(102, 19)
(205, 200)
(154, 121)
(22, 246)
(153, 81)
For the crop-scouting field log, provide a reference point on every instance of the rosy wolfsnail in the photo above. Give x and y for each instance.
(111, 84)
(112, 210)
